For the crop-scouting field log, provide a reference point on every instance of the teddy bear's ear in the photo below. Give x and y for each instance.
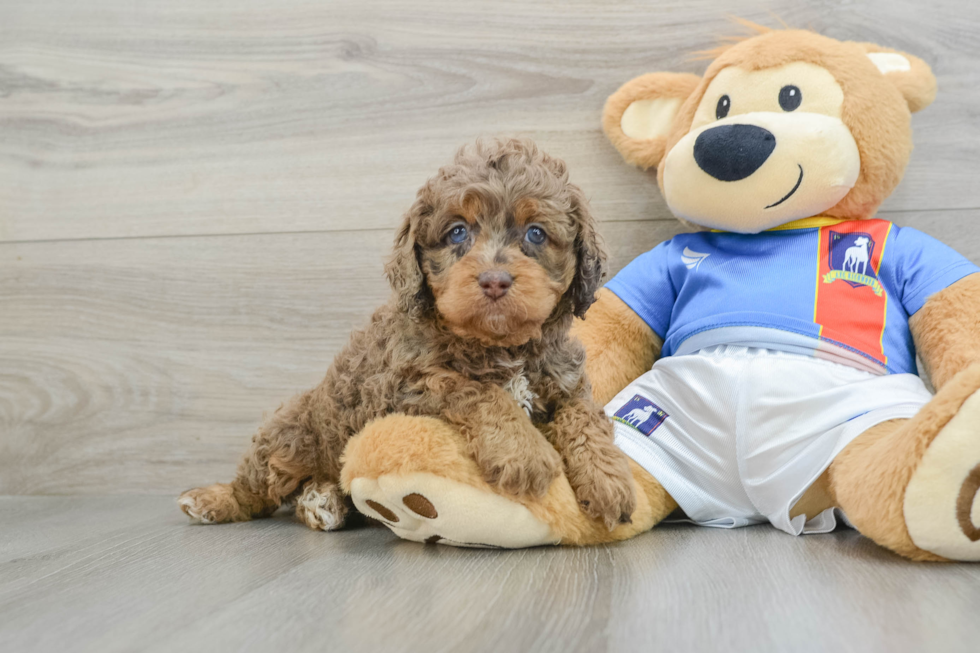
(638, 117)
(911, 75)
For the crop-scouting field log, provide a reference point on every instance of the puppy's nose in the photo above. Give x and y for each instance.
(495, 283)
(733, 152)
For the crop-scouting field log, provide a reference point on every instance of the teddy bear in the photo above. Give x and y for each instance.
(761, 368)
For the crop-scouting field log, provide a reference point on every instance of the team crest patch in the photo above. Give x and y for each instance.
(849, 260)
(642, 414)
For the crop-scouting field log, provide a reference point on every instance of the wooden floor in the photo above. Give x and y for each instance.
(195, 202)
(124, 573)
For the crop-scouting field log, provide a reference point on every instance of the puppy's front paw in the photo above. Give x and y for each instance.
(523, 471)
(607, 498)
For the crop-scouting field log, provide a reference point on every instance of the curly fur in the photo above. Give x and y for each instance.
(441, 347)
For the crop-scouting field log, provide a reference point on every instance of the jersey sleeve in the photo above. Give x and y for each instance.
(926, 266)
(646, 287)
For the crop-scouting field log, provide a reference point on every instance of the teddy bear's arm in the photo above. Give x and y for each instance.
(619, 345)
(947, 330)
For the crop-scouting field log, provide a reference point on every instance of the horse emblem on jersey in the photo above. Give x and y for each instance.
(849, 260)
(642, 414)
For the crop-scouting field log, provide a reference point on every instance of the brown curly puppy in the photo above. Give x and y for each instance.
(493, 260)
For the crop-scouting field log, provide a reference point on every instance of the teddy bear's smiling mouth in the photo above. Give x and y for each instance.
(790, 194)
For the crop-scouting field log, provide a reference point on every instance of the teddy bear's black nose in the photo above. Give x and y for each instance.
(733, 152)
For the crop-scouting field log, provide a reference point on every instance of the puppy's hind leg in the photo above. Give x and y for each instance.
(282, 455)
(322, 505)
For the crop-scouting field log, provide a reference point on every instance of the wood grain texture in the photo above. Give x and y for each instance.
(122, 118)
(117, 573)
(196, 198)
(146, 365)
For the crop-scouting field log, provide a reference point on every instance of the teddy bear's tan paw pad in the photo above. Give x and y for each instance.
(942, 506)
(427, 508)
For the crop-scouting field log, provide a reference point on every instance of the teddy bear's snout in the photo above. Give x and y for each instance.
(733, 152)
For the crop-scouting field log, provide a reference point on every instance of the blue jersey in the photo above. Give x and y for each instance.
(841, 290)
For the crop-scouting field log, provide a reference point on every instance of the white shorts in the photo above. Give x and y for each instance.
(736, 435)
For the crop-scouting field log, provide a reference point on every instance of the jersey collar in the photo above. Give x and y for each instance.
(804, 223)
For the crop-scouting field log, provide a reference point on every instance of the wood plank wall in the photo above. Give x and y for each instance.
(196, 197)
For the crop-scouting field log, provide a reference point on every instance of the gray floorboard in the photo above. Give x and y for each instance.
(126, 573)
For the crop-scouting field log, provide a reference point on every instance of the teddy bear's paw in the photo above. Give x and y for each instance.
(942, 505)
(427, 508)
(321, 506)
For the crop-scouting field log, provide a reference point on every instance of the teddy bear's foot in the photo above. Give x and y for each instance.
(428, 508)
(415, 476)
(911, 484)
(942, 505)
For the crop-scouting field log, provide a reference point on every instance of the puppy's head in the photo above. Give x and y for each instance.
(497, 244)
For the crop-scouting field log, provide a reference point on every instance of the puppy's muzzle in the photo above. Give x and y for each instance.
(495, 283)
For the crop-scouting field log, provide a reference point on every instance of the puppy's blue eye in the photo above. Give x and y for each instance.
(458, 234)
(535, 235)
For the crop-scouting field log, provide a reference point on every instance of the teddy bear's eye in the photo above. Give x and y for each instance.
(724, 104)
(790, 98)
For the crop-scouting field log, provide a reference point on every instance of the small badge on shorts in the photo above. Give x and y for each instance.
(642, 414)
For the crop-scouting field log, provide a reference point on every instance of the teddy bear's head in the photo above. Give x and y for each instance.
(785, 125)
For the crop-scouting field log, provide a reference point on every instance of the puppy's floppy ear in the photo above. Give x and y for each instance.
(638, 117)
(911, 75)
(590, 255)
(403, 269)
